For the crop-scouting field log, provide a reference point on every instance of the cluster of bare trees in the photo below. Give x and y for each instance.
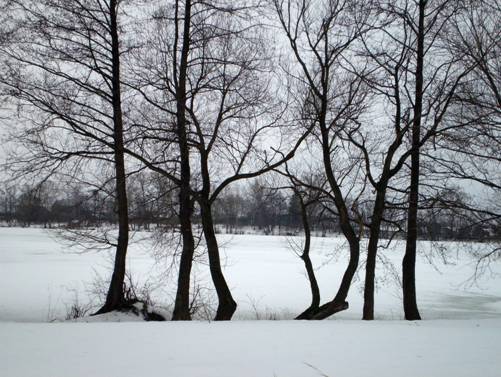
(371, 110)
(261, 207)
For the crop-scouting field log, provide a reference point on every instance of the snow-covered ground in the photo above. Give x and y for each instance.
(40, 279)
(252, 349)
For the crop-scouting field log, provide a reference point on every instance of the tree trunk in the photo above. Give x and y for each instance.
(226, 306)
(370, 267)
(339, 302)
(182, 302)
(115, 297)
(409, 262)
(315, 290)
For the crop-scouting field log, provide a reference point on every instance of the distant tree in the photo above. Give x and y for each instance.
(31, 207)
(8, 200)
(229, 209)
(266, 206)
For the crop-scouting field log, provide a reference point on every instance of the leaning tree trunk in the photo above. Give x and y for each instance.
(226, 306)
(409, 262)
(305, 256)
(339, 302)
(115, 297)
(182, 302)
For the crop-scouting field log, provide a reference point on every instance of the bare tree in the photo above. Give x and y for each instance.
(226, 108)
(320, 35)
(419, 88)
(181, 308)
(62, 65)
(236, 78)
(469, 150)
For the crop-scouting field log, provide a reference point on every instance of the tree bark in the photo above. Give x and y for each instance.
(115, 297)
(305, 256)
(182, 302)
(339, 302)
(370, 267)
(409, 261)
(226, 304)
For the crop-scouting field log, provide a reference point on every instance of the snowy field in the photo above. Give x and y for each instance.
(40, 279)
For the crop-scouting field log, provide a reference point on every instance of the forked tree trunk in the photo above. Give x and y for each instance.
(339, 302)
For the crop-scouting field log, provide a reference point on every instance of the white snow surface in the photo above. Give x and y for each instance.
(40, 279)
(252, 349)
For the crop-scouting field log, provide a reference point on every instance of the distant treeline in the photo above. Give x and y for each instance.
(257, 208)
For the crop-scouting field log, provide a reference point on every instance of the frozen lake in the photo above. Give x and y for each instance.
(41, 277)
